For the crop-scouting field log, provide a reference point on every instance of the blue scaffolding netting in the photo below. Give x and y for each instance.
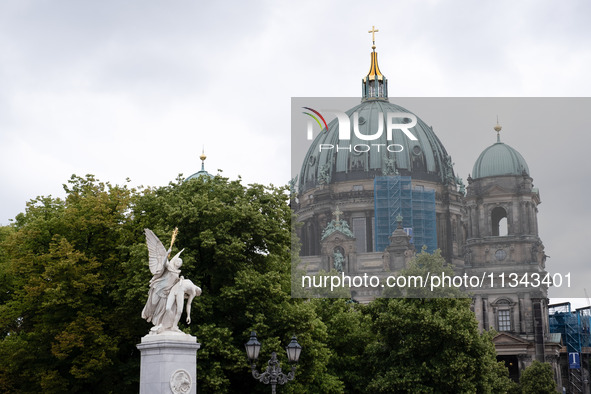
(572, 325)
(393, 196)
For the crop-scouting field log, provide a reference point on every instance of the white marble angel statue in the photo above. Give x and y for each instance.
(167, 289)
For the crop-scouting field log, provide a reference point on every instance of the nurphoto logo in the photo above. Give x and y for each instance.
(402, 121)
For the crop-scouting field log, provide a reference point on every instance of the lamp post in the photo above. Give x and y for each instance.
(273, 374)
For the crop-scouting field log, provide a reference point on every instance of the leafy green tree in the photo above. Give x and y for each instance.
(61, 327)
(537, 378)
(349, 333)
(430, 345)
(74, 279)
(236, 241)
(428, 267)
(6, 280)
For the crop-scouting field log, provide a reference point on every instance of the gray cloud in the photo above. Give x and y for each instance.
(136, 89)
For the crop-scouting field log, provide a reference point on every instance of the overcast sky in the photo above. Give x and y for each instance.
(135, 89)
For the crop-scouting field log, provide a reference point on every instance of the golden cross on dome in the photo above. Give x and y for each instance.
(337, 213)
(373, 32)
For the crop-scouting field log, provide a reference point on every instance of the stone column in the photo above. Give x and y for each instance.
(478, 311)
(473, 222)
(168, 364)
(525, 360)
(535, 219)
(486, 323)
(516, 318)
(492, 317)
(521, 313)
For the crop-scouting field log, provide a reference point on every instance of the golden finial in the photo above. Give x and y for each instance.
(498, 126)
(498, 129)
(373, 32)
(203, 157)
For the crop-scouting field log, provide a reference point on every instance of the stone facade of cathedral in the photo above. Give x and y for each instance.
(368, 212)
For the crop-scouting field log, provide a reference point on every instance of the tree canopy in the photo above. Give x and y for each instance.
(74, 279)
(430, 345)
(537, 378)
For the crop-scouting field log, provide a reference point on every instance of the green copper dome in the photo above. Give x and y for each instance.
(424, 158)
(497, 160)
(415, 152)
(199, 174)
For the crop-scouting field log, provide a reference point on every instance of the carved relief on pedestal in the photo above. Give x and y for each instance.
(180, 382)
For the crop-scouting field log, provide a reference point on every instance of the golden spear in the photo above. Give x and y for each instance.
(174, 234)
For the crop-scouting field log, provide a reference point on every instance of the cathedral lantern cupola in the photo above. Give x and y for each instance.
(374, 84)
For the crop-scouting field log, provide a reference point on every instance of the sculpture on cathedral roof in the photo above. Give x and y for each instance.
(389, 167)
(339, 259)
(460, 183)
(167, 288)
(293, 188)
(337, 225)
(324, 174)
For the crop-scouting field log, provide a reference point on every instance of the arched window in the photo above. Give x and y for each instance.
(504, 310)
(499, 221)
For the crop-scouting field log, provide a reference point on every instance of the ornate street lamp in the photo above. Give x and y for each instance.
(253, 347)
(273, 374)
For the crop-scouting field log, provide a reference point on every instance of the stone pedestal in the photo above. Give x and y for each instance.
(168, 364)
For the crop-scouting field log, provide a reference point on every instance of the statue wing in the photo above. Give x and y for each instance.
(157, 252)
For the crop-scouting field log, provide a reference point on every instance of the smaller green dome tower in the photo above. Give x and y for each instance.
(499, 159)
